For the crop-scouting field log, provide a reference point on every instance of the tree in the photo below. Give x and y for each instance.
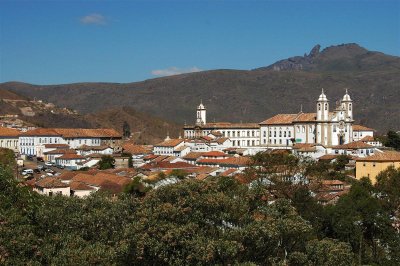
(126, 129)
(392, 140)
(341, 162)
(7, 158)
(130, 160)
(106, 162)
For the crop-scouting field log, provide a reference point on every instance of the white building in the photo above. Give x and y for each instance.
(241, 134)
(52, 186)
(360, 132)
(323, 127)
(33, 142)
(9, 138)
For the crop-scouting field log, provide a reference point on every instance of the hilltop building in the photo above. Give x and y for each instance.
(323, 127)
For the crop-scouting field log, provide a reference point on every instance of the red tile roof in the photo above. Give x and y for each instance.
(9, 132)
(214, 154)
(56, 145)
(50, 182)
(170, 143)
(353, 146)
(70, 156)
(61, 151)
(137, 149)
(387, 156)
(74, 185)
(74, 132)
(361, 128)
(285, 119)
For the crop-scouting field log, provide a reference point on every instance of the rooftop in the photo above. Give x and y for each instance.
(388, 156)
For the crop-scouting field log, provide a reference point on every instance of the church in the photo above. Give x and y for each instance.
(324, 127)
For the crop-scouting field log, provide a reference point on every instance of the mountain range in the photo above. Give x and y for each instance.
(372, 78)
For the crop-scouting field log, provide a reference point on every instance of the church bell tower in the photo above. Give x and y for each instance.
(201, 114)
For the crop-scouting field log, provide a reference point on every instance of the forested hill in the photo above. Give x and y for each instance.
(373, 80)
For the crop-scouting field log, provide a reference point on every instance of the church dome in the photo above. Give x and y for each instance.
(346, 97)
(322, 97)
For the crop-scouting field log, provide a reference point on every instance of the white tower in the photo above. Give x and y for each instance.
(322, 119)
(201, 114)
(322, 107)
(347, 103)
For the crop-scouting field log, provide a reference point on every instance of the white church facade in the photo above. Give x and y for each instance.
(324, 127)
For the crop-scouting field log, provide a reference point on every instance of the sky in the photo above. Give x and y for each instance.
(58, 42)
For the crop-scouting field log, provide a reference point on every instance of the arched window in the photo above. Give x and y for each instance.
(326, 106)
(319, 107)
(350, 107)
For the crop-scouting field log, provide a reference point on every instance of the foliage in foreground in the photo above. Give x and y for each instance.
(200, 222)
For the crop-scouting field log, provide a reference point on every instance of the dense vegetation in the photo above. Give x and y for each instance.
(216, 221)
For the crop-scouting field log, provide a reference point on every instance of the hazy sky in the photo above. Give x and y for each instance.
(51, 42)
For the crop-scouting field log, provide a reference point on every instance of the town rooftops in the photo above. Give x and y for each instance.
(76, 186)
(70, 156)
(368, 139)
(61, 151)
(74, 132)
(284, 119)
(361, 128)
(93, 148)
(227, 125)
(56, 145)
(137, 149)
(9, 132)
(170, 143)
(50, 182)
(353, 146)
(193, 156)
(214, 154)
(387, 156)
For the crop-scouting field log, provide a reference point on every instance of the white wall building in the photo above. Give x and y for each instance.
(9, 138)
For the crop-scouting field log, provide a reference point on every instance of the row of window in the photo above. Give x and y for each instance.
(244, 142)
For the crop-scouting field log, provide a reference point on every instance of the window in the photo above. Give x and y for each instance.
(373, 164)
(280, 141)
(289, 134)
(280, 133)
(253, 133)
(233, 143)
(298, 129)
(349, 107)
(248, 143)
(265, 134)
(319, 107)
(303, 129)
(326, 106)
(238, 133)
(248, 133)
(334, 128)
(274, 133)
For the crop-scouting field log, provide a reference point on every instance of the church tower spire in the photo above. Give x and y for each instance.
(347, 103)
(201, 114)
(322, 107)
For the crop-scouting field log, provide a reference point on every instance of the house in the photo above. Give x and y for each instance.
(86, 149)
(372, 141)
(359, 132)
(70, 161)
(309, 150)
(192, 157)
(51, 155)
(103, 181)
(80, 189)
(51, 186)
(33, 141)
(330, 191)
(168, 146)
(371, 166)
(9, 138)
(356, 148)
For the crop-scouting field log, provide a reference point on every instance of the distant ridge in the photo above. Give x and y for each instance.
(373, 80)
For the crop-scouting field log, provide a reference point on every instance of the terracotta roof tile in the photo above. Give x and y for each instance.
(214, 154)
(79, 186)
(354, 146)
(74, 132)
(50, 182)
(170, 143)
(137, 149)
(56, 145)
(70, 156)
(192, 156)
(387, 156)
(9, 132)
(361, 128)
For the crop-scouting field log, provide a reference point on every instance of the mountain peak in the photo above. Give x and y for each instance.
(344, 55)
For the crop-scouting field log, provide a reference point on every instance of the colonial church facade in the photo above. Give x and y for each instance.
(325, 127)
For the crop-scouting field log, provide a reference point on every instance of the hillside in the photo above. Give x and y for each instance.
(373, 80)
(145, 128)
